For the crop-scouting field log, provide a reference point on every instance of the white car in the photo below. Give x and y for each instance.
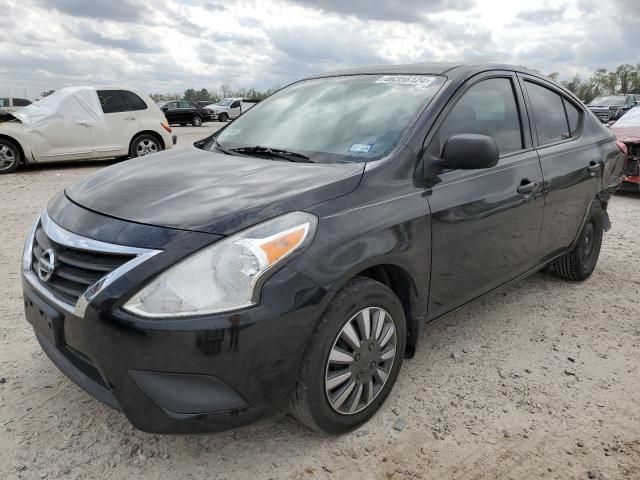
(11, 104)
(83, 123)
(230, 108)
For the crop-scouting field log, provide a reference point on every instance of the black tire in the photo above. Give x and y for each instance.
(10, 156)
(579, 263)
(144, 144)
(223, 117)
(196, 121)
(310, 403)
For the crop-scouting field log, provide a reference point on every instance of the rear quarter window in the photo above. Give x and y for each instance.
(574, 115)
(134, 101)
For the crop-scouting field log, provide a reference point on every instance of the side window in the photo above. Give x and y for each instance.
(21, 102)
(112, 101)
(184, 105)
(548, 114)
(235, 104)
(134, 101)
(4, 102)
(487, 108)
(574, 115)
(172, 105)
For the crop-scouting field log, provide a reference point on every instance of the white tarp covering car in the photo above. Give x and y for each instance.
(73, 105)
(83, 123)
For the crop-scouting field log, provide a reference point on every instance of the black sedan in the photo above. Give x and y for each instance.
(182, 113)
(291, 265)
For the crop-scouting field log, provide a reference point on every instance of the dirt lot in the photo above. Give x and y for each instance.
(540, 381)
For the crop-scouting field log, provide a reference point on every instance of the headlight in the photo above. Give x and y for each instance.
(224, 276)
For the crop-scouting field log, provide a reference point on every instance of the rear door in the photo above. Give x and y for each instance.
(113, 138)
(485, 223)
(571, 164)
(187, 110)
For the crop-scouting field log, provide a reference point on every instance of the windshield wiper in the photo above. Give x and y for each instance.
(220, 147)
(274, 152)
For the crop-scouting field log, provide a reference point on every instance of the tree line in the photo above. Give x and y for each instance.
(225, 91)
(624, 79)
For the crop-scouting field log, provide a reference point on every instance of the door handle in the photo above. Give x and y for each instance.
(527, 187)
(593, 167)
(130, 118)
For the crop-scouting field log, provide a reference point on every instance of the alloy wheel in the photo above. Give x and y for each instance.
(146, 146)
(8, 157)
(360, 360)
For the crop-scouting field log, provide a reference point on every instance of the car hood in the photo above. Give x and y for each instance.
(193, 189)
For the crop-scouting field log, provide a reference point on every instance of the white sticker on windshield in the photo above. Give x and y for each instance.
(361, 147)
(419, 80)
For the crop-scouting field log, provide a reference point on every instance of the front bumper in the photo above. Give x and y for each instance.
(189, 375)
(209, 374)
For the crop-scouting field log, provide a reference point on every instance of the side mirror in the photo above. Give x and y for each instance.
(469, 151)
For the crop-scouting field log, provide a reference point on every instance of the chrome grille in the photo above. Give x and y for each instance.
(74, 270)
(71, 270)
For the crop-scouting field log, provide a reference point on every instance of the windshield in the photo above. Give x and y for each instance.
(630, 119)
(349, 118)
(225, 103)
(611, 101)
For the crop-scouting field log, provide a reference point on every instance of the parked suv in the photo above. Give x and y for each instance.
(291, 264)
(612, 107)
(230, 108)
(11, 104)
(183, 112)
(83, 123)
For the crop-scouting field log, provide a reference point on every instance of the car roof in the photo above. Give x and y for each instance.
(450, 69)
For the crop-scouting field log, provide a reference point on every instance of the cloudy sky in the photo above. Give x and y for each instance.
(171, 45)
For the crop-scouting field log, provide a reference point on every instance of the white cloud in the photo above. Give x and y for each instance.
(171, 45)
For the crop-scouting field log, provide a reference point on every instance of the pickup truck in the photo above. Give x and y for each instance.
(230, 108)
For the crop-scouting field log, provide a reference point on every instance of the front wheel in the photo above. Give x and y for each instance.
(223, 117)
(197, 121)
(353, 358)
(9, 156)
(143, 145)
(579, 263)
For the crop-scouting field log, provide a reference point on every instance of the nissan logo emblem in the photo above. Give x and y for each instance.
(46, 265)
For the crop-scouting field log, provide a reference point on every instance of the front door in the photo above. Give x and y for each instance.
(58, 140)
(171, 112)
(234, 109)
(485, 223)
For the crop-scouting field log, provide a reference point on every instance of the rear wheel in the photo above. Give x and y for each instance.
(9, 156)
(353, 358)
(197, 121)
(579, 263)
(143, 145)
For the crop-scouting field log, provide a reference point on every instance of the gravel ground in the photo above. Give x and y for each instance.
(539, 381)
